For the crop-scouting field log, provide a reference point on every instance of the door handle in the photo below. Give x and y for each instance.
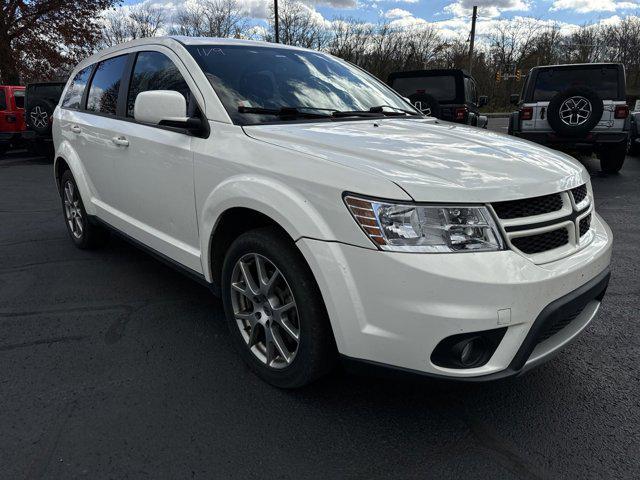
(120, 141)
(76, 129)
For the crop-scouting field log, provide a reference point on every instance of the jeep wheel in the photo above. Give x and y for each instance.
(39, 117)
(274, 309)
(612, 158)
(575, 111)
(3, 149)
(634, 147)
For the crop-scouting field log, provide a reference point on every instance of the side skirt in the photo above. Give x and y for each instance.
(193, 275)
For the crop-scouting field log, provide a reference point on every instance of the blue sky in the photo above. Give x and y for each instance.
(450, 16)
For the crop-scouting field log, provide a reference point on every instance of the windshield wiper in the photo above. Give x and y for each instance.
(399, 111)
(283, 112)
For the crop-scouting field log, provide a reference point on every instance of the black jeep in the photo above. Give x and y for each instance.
(40, 102)
(576, 108)
(447, 94)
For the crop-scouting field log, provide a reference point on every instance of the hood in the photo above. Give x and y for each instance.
(433, 160)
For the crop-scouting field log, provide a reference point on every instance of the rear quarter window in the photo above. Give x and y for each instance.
(549, 82)
(73, 97)
(3, 99)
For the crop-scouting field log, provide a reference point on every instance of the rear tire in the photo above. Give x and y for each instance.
(83, 233)
(3, 149)
(259, 324)
(612, 158)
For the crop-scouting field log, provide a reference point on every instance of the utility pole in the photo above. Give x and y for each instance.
(472, 38)
(277, 27)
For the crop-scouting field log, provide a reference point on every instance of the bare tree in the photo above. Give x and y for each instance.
(299, 26)
(212, 18)
(140, 21)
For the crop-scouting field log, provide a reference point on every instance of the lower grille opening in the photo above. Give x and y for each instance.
(542, 242)
(557, 324)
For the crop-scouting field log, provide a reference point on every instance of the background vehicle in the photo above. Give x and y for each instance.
(579, 107)
(448, 94)
(40, 101)
(634, 133)
(11, 116)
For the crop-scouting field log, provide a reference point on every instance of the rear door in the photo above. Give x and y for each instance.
(154, 165)
(88, 120)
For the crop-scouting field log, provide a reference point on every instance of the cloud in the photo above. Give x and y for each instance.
(397, 13)
(587, 6)
(487, 8)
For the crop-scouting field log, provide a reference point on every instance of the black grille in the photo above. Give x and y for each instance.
(542, 242)
(528, 207)
(579, 193)
(557, 324)
(585, 224)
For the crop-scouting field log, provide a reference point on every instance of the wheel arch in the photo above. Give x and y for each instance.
(66, 159)
(246, 202)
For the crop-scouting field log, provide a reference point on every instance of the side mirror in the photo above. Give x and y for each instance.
(166, 108)
(158, 105)
(514, 99)
(483, 100)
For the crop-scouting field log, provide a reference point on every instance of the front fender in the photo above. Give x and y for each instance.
(283, 204)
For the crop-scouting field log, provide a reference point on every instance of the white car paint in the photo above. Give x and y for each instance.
(168, 191)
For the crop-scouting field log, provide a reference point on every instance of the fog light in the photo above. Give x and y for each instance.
(467, 350)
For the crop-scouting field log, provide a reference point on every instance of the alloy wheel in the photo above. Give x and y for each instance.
(265, 310)
(39, 117)
(72, 210)
(575, 111)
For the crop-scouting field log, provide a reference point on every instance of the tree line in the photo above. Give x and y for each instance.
(380, 48)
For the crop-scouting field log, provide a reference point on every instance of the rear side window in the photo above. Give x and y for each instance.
(154, 71)
(103, 93)
(3, 99)
(602, 80)
(18, 97)
(441, 87)
(73, 97)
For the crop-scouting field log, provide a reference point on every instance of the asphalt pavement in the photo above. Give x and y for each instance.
(113, 365)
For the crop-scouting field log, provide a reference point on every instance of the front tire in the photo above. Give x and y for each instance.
(612, 158)
(274, 310)
(83, 233)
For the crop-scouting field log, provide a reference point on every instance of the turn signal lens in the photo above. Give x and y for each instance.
(526, 113)
(426, 228)
(621, 111)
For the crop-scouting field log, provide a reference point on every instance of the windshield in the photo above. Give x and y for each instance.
(249, 78)
(602, 80)
(441, 87)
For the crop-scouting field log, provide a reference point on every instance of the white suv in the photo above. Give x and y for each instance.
(333, 218)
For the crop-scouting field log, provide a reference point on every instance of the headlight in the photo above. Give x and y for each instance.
(406, 227)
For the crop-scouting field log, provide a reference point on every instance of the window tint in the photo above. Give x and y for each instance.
(3, 100)
(103, 93)
(551, 81)
(18, 97)
(73, 97)
(154, 71)
(441, 87)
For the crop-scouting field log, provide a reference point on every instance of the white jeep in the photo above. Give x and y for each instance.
(575, 108)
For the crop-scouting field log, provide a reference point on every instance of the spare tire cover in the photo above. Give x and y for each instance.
(574, 112)
(39, 117)
(426, 103)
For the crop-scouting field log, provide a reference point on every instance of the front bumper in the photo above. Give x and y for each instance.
(393, 309)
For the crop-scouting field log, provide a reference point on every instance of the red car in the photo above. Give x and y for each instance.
(12, 124)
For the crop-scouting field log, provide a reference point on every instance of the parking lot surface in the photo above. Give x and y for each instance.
(112, 365)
